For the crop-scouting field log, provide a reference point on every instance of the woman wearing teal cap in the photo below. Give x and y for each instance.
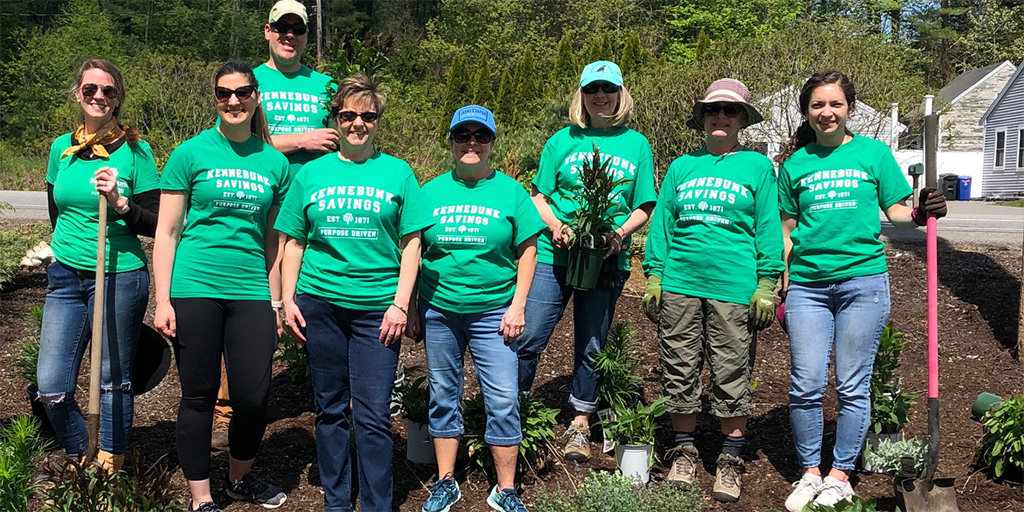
(479, 254)
(599, 111)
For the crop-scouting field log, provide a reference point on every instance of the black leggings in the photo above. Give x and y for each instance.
(246, 333)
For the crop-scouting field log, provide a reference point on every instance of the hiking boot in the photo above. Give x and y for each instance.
(505, 500)
(804, 492)
(833, 491)
(684, 467)
(208, 506)
(578, 447)
(219, 439)
(443, 494)
(727, 478)
(252, 489)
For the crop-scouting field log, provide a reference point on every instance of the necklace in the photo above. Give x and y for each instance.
(727, 152)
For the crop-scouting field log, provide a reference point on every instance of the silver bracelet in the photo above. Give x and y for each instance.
(276, 304)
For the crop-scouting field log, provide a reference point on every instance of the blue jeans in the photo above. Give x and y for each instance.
(592, 317)
(348, 362)
(67, 329)
(850, 315)
(447, 335)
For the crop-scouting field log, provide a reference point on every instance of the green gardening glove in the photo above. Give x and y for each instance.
(651, 305)
(762, 304)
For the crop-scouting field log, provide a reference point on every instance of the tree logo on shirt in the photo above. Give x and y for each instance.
(832, 194)
(462, 228)
(291, 118)
(239, 194)
(348, 218)
(703, 205)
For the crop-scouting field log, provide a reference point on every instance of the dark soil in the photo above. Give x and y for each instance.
(978, 301)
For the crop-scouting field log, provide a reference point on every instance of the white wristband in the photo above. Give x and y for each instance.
(276, 304)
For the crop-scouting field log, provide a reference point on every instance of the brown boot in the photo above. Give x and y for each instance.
(219, 439)
(109, 462)
(684, 466)
(727, 478)
(578, 447)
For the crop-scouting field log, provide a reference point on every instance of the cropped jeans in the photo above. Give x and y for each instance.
(592, 318)
(66, 332)
(845, 317)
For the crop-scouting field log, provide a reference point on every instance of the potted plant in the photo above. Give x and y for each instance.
(596, 199)
(617, 363)
(890, 406)
(632, 429)
(904, 458)
(416, 404)
(1002, 446)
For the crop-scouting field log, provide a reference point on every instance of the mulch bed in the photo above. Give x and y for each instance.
(978, 301)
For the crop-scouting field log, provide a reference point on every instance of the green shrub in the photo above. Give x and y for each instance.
(20, 450)
(635, 424)
(416, 400)
(294, 355)
(1002, 446)
(14, 241)
(23, 169)
(536, 421)
(611, 492)
(890, 406)
(617, 363)
(28, 349)
(88, 488)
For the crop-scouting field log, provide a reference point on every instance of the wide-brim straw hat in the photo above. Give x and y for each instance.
(724, 90)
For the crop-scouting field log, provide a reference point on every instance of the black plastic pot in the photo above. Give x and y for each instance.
(584, 267)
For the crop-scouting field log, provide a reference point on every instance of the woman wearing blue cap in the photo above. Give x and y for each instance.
(480, 223)
(599, 111)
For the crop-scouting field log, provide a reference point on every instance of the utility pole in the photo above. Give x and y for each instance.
(319, 34)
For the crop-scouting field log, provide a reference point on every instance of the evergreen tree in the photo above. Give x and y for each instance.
(600, 48)
(703, 44)
(456, 90)
(565, 62)
(527, 86)
(632, 54)
(482, 92)
(504, 104)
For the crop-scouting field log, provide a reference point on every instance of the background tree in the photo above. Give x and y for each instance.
(482, 90)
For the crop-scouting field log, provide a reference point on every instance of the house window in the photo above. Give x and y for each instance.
(1001, 149)
(1020, 148)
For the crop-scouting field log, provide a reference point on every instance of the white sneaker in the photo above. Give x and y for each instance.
(803, 493)
(833, 491)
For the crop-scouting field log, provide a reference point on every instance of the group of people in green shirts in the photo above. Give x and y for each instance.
(286, 216)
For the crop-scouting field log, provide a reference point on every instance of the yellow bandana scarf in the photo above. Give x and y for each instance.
(110, 132)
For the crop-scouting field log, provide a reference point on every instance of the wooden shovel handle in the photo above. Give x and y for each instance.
(96, 345)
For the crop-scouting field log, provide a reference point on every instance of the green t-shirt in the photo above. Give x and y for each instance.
(231, 188)
(835, 193)
(351, 216)
(716, 228)
(294, 104)
(74, 191)
(470, 246)
(557, 176)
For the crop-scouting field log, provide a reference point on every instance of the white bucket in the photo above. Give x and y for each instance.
(633, 461)
(420, 448)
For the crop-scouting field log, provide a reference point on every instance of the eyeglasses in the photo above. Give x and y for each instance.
(242, 93)
(109, 91)
(730, 109)
(481, 136)
(283, 27)
(348, 116)
(593, 87)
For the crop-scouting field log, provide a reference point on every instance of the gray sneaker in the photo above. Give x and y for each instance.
(254, 490)
(684, 467)
(727, 478)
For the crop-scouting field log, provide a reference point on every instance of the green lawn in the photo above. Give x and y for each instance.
(20, 170)
(1019, 203)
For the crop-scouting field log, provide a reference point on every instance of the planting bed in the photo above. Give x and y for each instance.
(978, 301)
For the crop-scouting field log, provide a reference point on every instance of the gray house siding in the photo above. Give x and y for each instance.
(1005, 114)
(961, 131)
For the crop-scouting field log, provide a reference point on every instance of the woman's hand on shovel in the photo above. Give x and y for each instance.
(931, 203)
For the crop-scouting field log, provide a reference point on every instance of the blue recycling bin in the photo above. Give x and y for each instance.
(964, 190)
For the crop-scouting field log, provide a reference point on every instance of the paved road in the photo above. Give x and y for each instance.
(968, 222)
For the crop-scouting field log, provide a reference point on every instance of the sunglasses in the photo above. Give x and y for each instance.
(348, 116)
(283, 27)
(242, 93)
(592, 88)
(481, 136)
(730, 109)
(109, 91)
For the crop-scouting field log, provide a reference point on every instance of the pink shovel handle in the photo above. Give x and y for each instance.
(933, 310)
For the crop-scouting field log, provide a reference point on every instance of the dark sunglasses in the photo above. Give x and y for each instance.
(282, 27)
(109, 91)
(481, 136)
(592, 88)
(730, 109)
(242, 93)
(348, 116)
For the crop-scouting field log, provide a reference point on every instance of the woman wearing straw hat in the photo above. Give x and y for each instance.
(599, 111)
(712, 259)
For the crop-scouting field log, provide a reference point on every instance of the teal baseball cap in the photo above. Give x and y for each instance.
(601, 71)
(473, 114)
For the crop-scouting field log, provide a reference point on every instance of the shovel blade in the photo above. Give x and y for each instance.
(938, 495)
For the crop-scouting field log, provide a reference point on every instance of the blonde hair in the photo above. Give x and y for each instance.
(579, 116)
(361, 88)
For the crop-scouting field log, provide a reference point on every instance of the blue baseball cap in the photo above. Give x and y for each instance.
(473, 114)
(601, 71)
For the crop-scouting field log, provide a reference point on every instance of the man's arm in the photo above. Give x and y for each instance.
(320, 140)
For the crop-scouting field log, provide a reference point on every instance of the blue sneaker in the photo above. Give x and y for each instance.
(443, 494)
(505, 500)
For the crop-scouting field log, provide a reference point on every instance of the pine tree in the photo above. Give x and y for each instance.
(456, 90)
(600, 48)
(632, 54)
(482, 92)
(703, 44)
(505, 102)
(565, 62)
(527, 86)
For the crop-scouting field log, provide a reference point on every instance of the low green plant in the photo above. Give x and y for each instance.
(611, 492)
(1002, 446)
(88, 488)
(536, 421)
(617, 363)
(20, 449)
(294, 355)
(27, 359)
(890, 406)
(856, 504)
(887, 457)
(416, 400)
(635, 425)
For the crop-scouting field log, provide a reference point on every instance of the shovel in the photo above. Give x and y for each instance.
(926, 493)
(96, 345)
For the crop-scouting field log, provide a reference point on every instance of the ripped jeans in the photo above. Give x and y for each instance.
(67, 329)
